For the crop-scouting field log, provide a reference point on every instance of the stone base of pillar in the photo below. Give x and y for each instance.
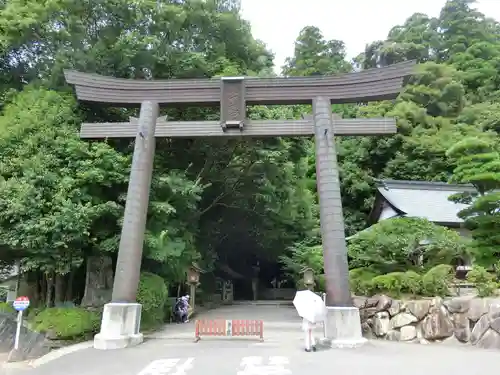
(119, 327)
(343, 327)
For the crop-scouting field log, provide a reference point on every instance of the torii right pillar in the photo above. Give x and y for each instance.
(343, 324)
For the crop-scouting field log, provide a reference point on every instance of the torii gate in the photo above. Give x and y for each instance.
(121, 319)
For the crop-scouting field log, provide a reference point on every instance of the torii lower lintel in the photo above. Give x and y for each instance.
(262, 128)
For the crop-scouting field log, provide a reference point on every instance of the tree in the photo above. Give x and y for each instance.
(314, 55)
(417, 39)
(129, 39)
(302, 255)
(478, 163)
(402, 244)
(216, 200)
(58, 196)
(444, 101)
(208, 197)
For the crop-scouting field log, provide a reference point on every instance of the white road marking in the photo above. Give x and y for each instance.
(163, 367)
(250, 361)
(253, 366)
(182, 369)
(279, 361)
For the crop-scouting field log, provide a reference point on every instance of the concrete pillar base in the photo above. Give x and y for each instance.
(343, 327)
(119, 327)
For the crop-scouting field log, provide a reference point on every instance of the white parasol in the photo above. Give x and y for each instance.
(309, 306)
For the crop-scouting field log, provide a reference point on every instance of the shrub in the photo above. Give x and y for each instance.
(437, 280)
(483, 280)
(67, 323)
(360, 281)
(392, 245)
(390, 284)
(152, 294)
(363, 281)
(412, 283)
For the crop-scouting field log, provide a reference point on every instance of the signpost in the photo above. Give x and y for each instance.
(20, 304)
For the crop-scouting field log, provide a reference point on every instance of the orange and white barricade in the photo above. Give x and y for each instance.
(229, 328)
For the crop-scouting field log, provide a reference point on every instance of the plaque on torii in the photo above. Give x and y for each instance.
(233, 95)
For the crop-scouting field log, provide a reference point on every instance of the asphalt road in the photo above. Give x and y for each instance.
(171, 351)
(229, 357)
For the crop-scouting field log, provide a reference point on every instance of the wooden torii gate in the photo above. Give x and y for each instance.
(120, 324)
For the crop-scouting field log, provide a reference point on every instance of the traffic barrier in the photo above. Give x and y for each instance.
(229, 328)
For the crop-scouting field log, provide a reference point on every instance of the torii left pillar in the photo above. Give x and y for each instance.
(121, 320)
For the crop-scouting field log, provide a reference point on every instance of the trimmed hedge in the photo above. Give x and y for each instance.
(153, 295)
(435, 282)
(67, 323)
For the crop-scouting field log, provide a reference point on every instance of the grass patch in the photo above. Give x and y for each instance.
(61, 323)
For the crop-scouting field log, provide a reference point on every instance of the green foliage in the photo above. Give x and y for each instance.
(200, 189)
(394, 284)
(315, 55)
(436, 281)
(360, 281)
(67, 323)
(391, 284)
(478, 163)
(400, 244)
(153, 295)
(483, 281)
(453, 95)
(6, 307)
(61, 198)
(57, 192)
(412, 283)
(302, 256)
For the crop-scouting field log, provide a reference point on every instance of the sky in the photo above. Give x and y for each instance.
(355, 22)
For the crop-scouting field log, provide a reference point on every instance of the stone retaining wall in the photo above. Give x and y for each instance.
(473, 321)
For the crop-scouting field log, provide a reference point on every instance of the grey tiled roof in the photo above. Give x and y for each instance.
(422, 199)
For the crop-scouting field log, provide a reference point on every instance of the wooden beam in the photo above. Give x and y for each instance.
(264, 128)
(368, 85)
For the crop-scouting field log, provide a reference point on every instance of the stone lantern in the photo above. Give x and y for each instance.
(308, 277)
(193, 279)
(193, 275)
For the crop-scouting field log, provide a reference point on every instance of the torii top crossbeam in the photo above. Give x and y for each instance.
(368, 85)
